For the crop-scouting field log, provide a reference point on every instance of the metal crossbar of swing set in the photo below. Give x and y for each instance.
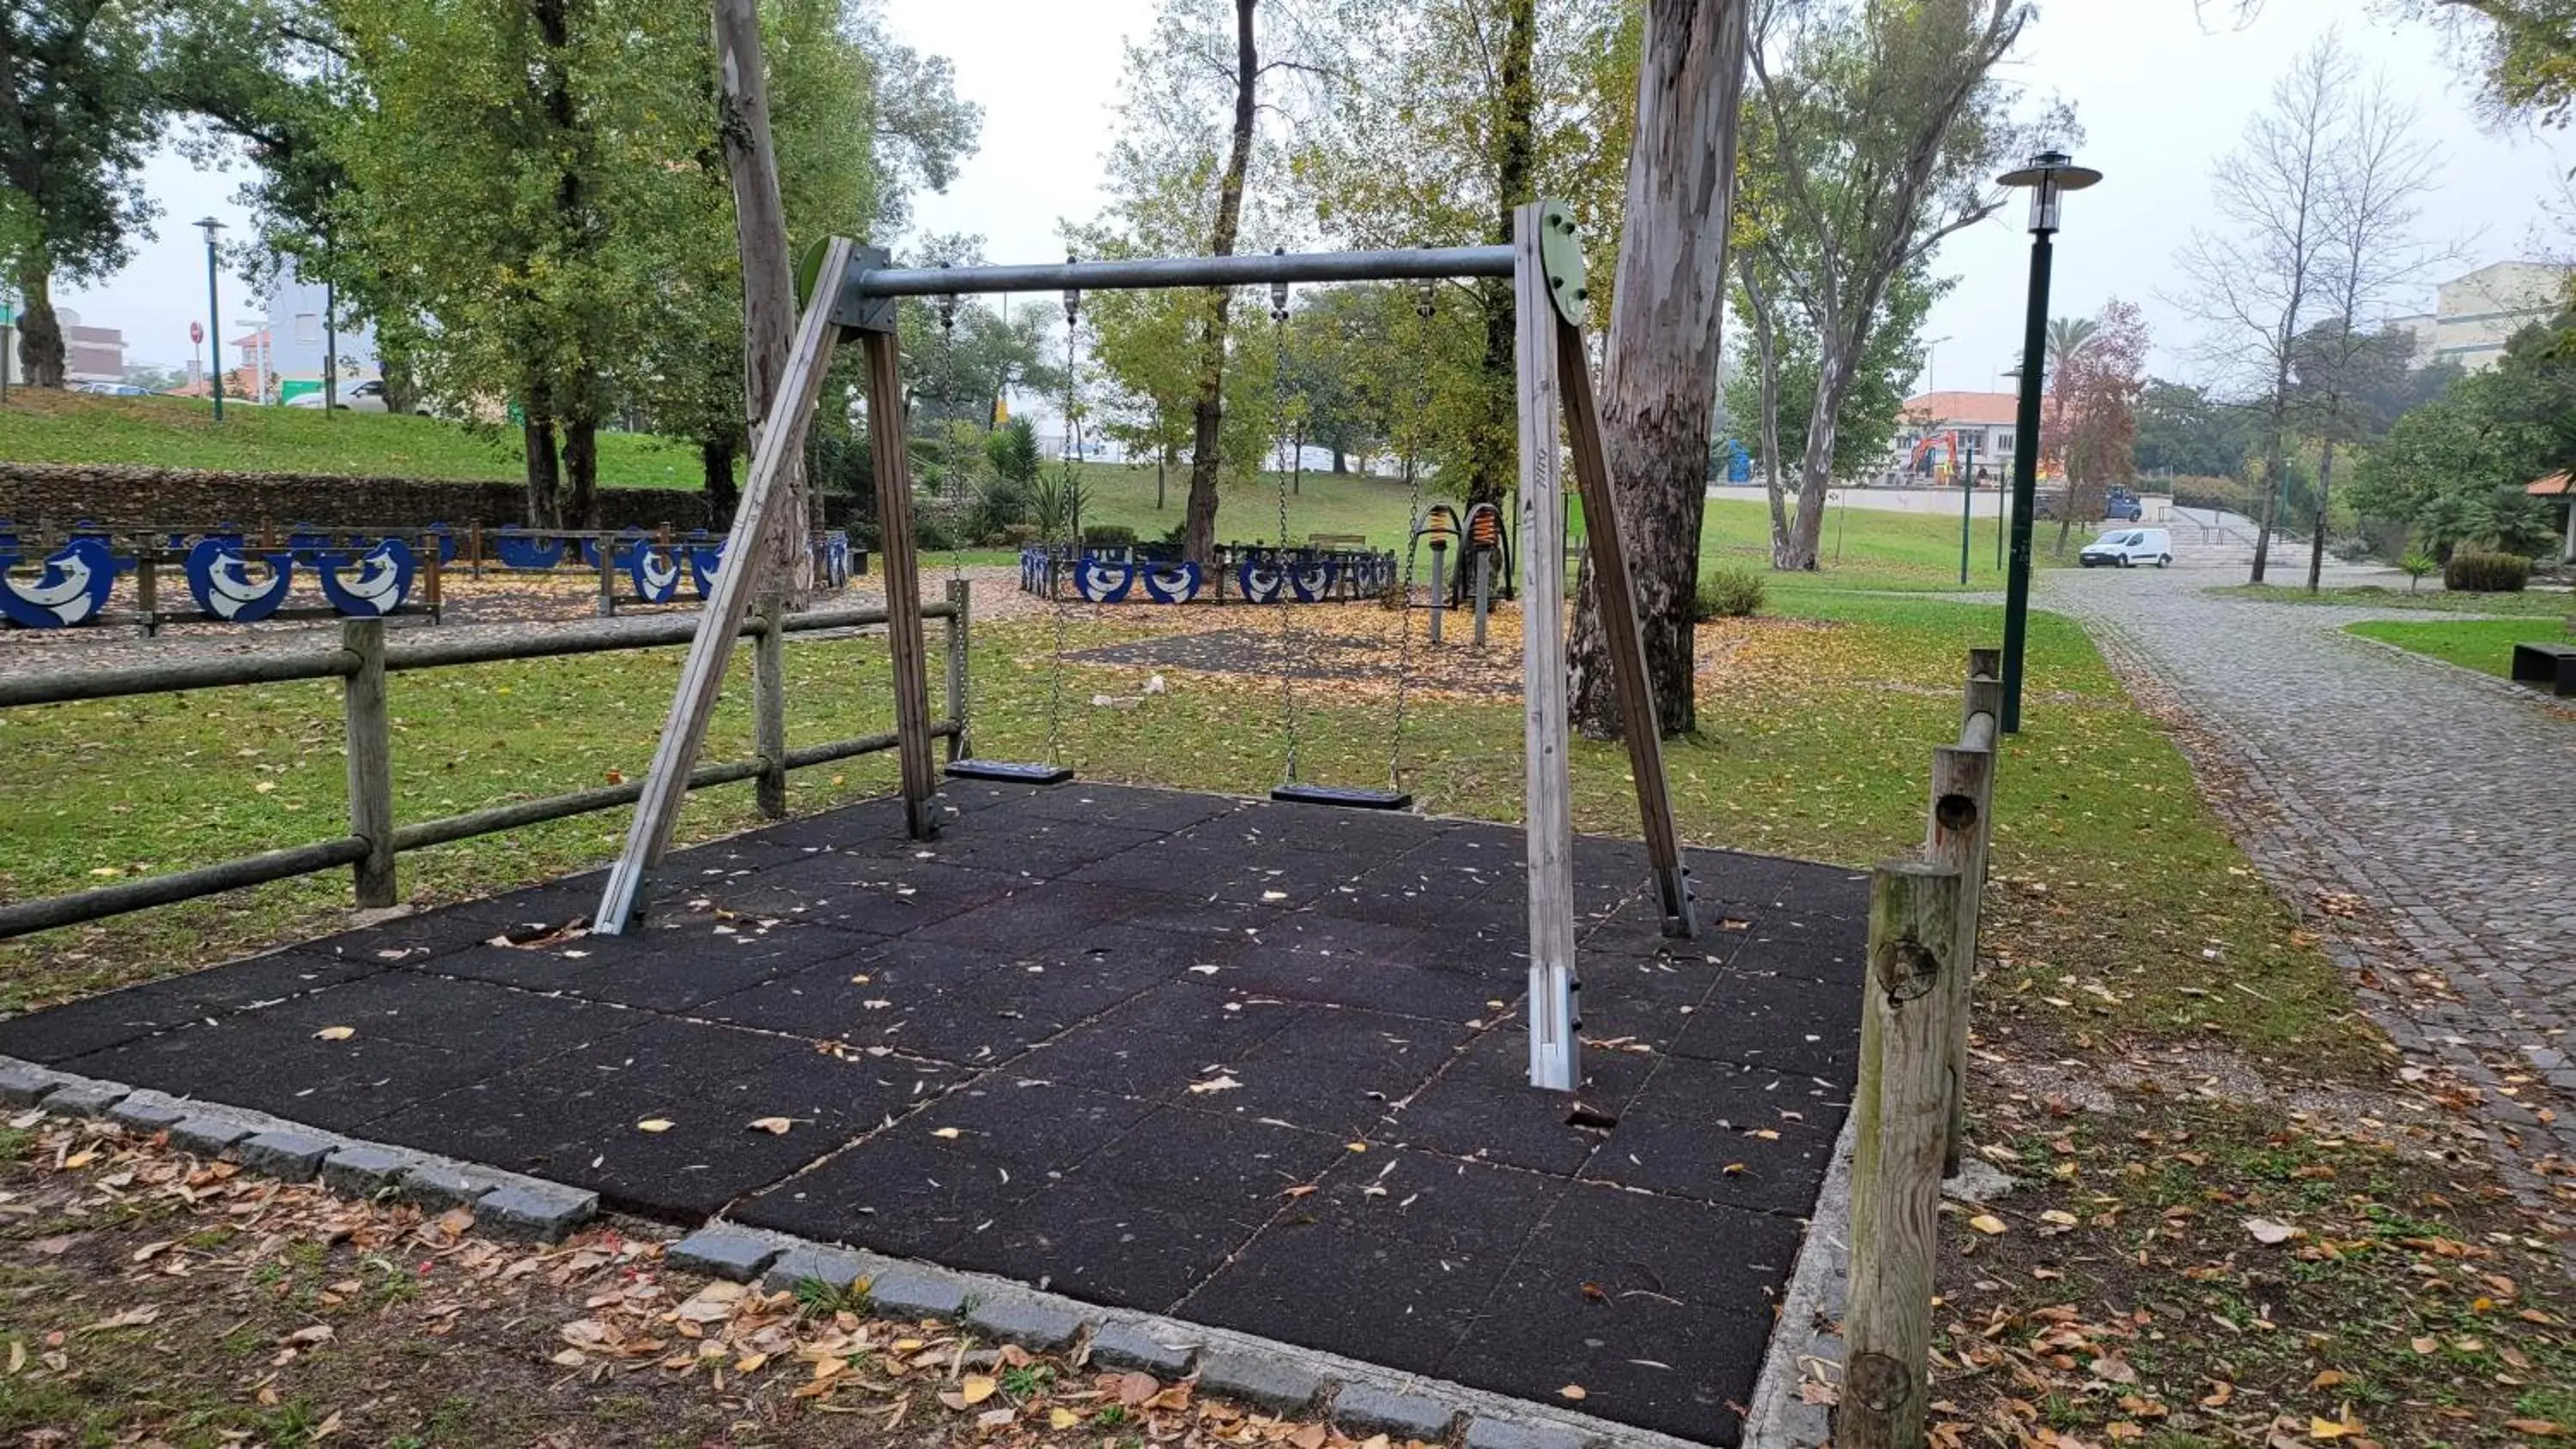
(1146, 273)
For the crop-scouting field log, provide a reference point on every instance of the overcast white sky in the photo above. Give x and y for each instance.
(2160, 95)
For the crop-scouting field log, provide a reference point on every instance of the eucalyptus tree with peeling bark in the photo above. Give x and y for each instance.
(1886, 123)
(1659, 378)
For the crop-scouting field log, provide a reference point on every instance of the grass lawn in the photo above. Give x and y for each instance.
(2116, 1298)
(162, 432)
(2485, 645)
(2535, 603)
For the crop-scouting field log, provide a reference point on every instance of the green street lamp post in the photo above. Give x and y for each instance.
(214, 319)
(2048, 177)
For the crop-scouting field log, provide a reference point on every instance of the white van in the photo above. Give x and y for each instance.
(2126, 547)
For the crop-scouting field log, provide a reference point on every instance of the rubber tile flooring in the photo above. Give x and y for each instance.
(1254, 1065)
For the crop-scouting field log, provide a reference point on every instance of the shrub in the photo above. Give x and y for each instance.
(2486, 573)
(2415, 565)
(1731, 594)
(1019, 535)
(1108, 535)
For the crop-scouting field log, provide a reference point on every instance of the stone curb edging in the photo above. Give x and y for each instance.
(1780, 1416)
(505, 1203)
(1360, 1397)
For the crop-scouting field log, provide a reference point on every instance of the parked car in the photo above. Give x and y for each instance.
(2128, 547)
(112, 389)
(2123, 506)
(357, 397)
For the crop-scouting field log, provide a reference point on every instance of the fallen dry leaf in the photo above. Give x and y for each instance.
(1572, 1393)
(2536, 1428)
(654, 1124)
(335, 1033)
(1987, 1223)
(774, 1126)
(2268, 1232)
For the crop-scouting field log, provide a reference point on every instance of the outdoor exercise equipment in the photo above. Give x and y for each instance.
(854, 292)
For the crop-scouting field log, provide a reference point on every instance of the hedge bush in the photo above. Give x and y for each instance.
(1731, 594)
(1109, 535)
(2486, 573)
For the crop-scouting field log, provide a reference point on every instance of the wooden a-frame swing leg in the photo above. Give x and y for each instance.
(890, 459)
(1625, 636)
(666, 785)
(1555, 1055)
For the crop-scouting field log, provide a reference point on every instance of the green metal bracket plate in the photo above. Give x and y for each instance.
(1560, 255)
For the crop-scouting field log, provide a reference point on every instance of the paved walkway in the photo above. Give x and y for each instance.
(2434, 796)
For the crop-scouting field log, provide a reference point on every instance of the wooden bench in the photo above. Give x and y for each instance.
(2546, 666)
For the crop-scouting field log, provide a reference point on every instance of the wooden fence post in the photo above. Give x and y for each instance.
(1899, 1112)
(769, 708)
(474, 550)
(1963, 783)
(960, 594)
(147, 590)
(607, 605)
(371, 760)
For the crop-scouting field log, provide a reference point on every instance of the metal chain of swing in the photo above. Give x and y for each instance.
(1422, 309)
(1055, 596)
(947, 311)
(1288, 660)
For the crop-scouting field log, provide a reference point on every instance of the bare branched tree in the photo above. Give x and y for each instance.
(2258, 283)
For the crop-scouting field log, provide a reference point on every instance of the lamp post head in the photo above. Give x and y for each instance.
(210, 226)
(2049, 176)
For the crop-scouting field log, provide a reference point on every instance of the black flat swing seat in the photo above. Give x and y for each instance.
(1012, 772)
(1348, 797)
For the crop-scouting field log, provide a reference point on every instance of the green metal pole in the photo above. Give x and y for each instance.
(1967, 507)
(2025, 480)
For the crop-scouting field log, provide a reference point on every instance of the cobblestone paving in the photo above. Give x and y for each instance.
(2413, 811)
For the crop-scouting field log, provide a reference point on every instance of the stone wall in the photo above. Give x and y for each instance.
(122, 495)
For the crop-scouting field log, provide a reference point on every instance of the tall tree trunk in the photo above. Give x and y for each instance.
(40, 332)
(1766, 353)
(768, 283)
(581, 453)
(1816, 468)
(2274, 466)
(1341, 463)
(545, 478)
(715, 473)
(1659, 383)
(1490, 451)
(2317, 526)
(402, 390)
(1207, 412)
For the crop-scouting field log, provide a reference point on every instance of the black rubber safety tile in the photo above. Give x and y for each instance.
(1137, 808)
(1786, 1023)
(1125, 943)
(1642, 1001)
(1031, 918)
(999, 1015)
(658, 971)
(868, 820)
(1739, 1136)
(1240, 1164)
(411, 1006)
(721, 859)
(1105, 1243)
(260, 980)
(407, 939)
(859, 997)
(685, 1053)
(1030, 1121)
(1382, 1300)
(1173, 864)
(1483, 1107)
(1160, 1044)
(1683, 1370)
(1362, 980)
(1659, 1307)
(1283, 881)
(1470, 1208)
(554, 904)
(906, 1195)
(1338, 1070)
(1182, 913)
(1807, 951)
(61, 1033)
(888, 897)
(1043, 848)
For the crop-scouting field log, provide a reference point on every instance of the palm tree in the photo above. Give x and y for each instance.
(2068, 336)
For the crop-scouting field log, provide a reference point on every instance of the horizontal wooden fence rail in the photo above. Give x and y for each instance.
(1909, 1105)
(362, 661)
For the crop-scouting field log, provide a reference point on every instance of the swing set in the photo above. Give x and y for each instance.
(851, 292)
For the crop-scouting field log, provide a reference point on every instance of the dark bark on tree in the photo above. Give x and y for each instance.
(715, 470)
(545, 478)
(1341, 462)
(2275, 464)
(40, 332)
(1489, 455)
(402, 390)
(1207, 411)
(2317, 525)
(768, 282)
(581, 454)
(1659, 379)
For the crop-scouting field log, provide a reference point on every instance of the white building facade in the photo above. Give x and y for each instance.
(2474, 316)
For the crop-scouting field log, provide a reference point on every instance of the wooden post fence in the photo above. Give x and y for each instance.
(1900, 1117)
(371, 762)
